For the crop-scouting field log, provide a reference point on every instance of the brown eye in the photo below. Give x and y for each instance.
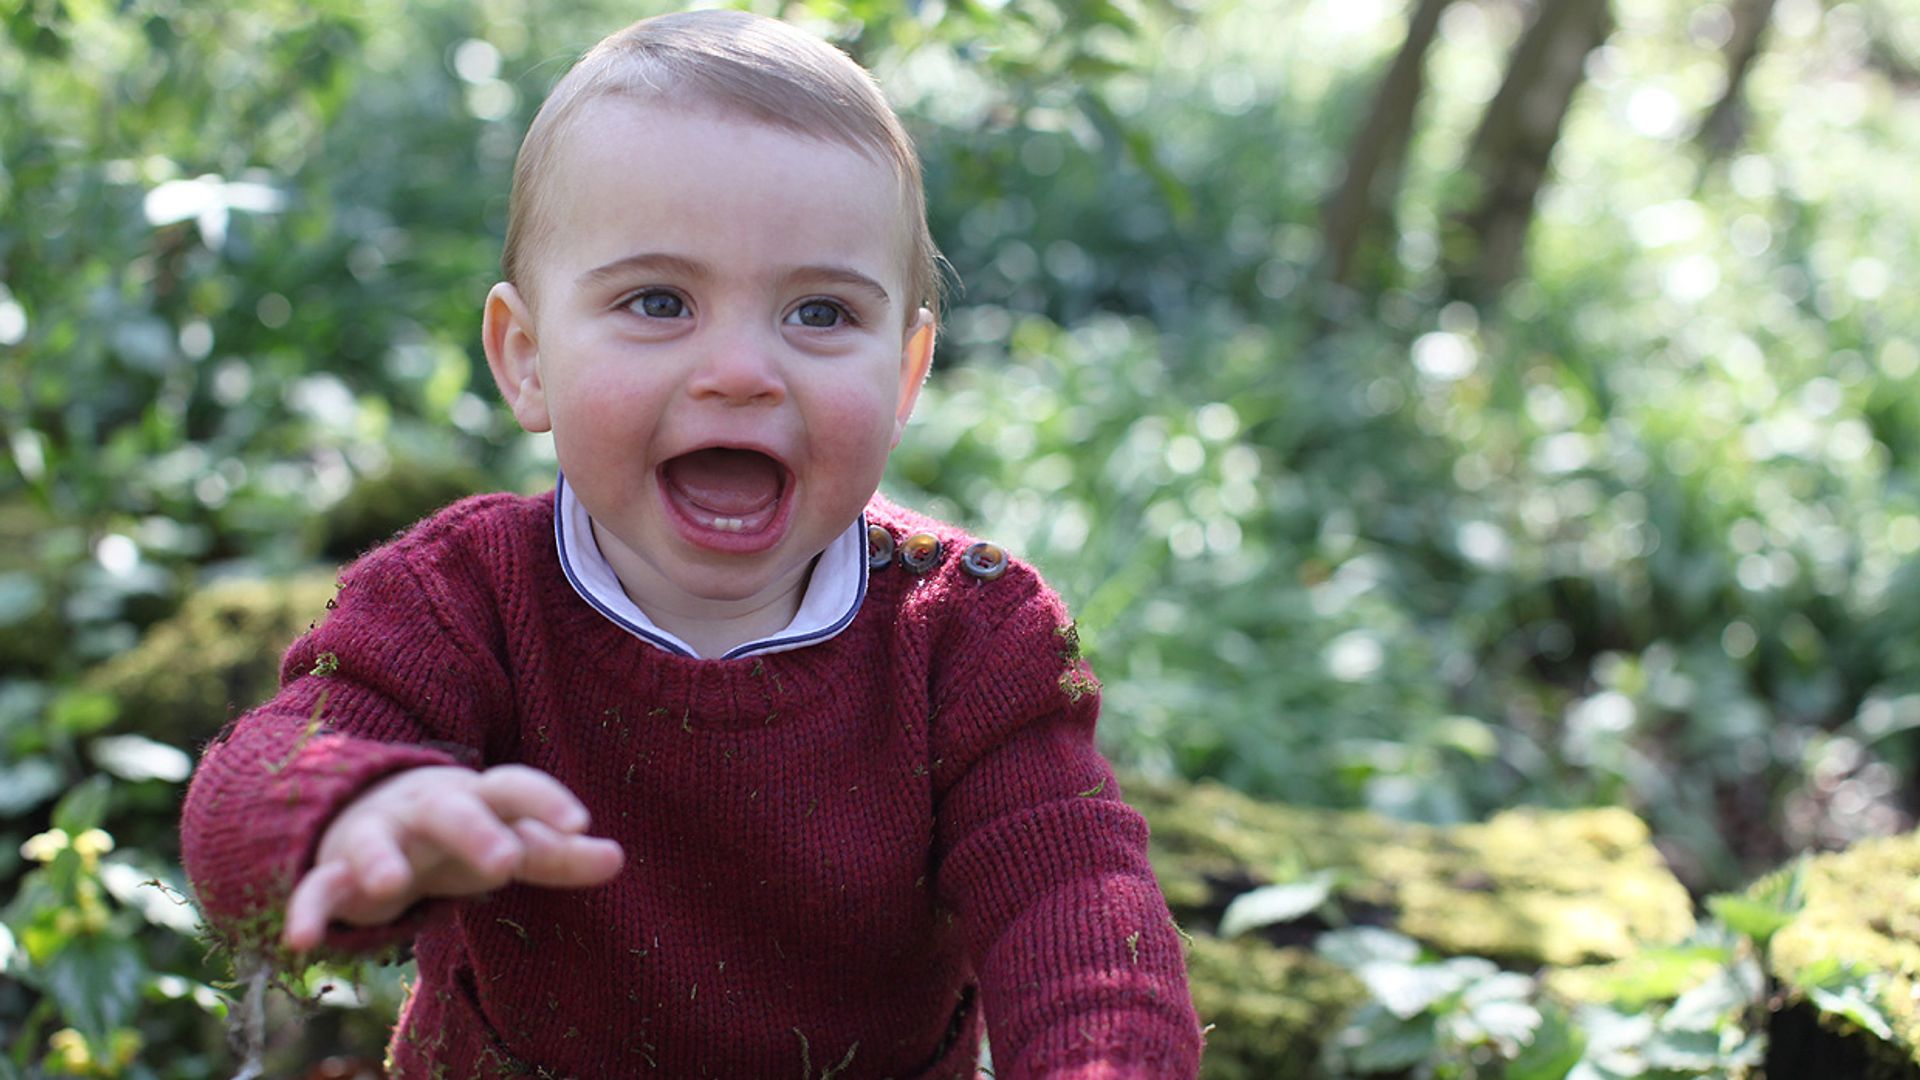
(819, 314)
(659, 305)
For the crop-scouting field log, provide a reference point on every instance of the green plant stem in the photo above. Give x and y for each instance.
(28, 1040)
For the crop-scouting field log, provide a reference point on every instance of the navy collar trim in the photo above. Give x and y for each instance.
(592, 577)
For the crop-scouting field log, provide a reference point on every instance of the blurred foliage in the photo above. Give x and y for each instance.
(1640, 534)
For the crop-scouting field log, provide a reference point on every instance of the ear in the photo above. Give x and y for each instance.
(916, 359)
(513, 355)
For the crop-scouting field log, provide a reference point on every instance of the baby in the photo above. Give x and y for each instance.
(837, 759)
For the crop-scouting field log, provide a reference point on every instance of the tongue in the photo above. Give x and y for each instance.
(722, 481)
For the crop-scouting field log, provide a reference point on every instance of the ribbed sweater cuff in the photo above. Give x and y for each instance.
(235, 837)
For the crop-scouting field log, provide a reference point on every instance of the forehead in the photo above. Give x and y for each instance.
(665, 172)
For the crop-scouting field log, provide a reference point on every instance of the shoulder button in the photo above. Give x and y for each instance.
(985, 561)
(879, 547)
(920, 552)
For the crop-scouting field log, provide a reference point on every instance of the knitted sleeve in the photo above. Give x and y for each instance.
(392, 679)
(1080, 964)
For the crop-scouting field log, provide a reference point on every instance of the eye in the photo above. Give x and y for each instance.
(659, 304)
(820, 314)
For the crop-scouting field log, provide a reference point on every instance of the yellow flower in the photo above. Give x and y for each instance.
(45, 847)
(92, 844)
(70, 1053)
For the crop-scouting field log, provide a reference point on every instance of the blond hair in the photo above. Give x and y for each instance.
(759, 68)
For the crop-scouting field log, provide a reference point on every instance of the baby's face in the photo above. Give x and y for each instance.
(721, 342)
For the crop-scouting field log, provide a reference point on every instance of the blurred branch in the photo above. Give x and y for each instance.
(1889, 56)
(1514, 144)
(1726, 123)
(1361, 207)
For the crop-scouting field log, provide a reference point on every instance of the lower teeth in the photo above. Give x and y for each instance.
(727, 524)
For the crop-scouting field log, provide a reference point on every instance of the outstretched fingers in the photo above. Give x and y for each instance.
(558, 860)
(467, 831)
(517, 792)
(445, 831)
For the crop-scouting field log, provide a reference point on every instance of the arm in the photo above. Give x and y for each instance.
(1080, 964)
(399, 678)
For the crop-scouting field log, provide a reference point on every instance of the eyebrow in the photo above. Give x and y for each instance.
(644, 262)
(660, 262)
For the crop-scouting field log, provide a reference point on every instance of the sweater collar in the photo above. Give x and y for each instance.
(834, 590)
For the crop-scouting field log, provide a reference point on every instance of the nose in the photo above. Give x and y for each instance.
(738, 367)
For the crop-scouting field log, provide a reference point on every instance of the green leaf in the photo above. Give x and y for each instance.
(1757, 919)
(1407, 990)
(1365, 945)
(1766, 905)
(85, 807)
(96, 981)
(1708, 1006)
(1507, 1024)
(1857, 1001)
(1396, 1046)
(82, 712)
(1691, 1052)
(1271, 905)
(1498, 986)
(1660, 974)
(1555, 1048)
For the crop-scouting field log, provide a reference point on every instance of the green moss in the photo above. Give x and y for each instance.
(1862, 910)
(1528, 887)
(377, 507)
(1531, 888)
(219, 654)
(1269, 1007)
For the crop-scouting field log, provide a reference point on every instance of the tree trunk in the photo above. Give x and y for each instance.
(1361, 208)
(1726, 123)
(1514, 144)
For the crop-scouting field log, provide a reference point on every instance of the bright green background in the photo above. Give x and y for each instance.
(1641, 534)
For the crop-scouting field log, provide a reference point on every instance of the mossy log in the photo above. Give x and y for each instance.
(1528, 888)
(1861, 911)
(214, 658)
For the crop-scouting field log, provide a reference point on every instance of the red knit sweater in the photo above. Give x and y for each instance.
(843, 858)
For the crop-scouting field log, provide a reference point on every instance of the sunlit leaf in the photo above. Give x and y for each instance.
(136, 757)
(1271, 905)
(1359, 945)
(1406, 990)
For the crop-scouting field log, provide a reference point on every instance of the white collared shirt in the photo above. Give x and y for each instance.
(834, 590)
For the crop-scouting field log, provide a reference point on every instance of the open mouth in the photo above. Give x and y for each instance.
(726, 491)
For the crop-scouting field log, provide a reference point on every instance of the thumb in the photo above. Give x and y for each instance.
(319, 894)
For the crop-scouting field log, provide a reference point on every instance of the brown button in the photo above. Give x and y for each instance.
(920, 552)
(985, 561)
(879, 547)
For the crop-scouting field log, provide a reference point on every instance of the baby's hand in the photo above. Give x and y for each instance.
(445, 831)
